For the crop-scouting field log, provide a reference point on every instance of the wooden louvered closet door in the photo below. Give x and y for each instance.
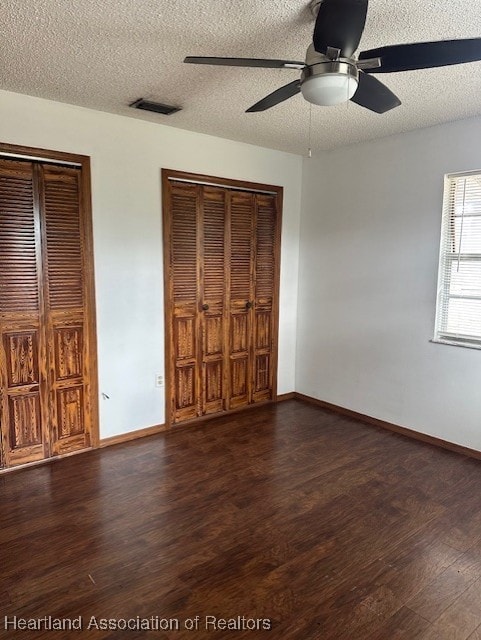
(44, 341)
(22, 350)
(242, 227)
(264, 321)
(64, 302)
(252, 321)
(197, 289)
(212, 292)
(221, 266)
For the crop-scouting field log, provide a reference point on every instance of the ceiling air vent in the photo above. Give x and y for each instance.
(156, 107)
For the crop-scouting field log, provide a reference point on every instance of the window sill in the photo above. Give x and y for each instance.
(453, 343)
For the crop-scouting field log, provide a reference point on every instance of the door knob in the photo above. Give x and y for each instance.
(249, 304)
(205, 307)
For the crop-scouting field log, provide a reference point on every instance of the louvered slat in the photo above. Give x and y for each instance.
(64, 251)
(18, 261)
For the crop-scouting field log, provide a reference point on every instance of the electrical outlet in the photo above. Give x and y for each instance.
(159, 380)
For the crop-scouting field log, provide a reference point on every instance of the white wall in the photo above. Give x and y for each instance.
(368, 273)
(127, 155)
(367, 280)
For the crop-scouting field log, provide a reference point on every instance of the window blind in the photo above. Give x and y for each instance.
(458, 312)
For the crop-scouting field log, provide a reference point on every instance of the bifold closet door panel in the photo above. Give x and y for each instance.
(265, 282)
(241, 291)
(184, 330)
(212, 291)
(22, 345)
(65, 295)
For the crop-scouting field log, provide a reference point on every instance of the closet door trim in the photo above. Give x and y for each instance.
(171, 175)
(13, 152)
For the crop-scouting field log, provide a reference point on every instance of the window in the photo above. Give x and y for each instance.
(458, 312)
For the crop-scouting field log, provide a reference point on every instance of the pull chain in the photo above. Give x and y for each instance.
(309, 149)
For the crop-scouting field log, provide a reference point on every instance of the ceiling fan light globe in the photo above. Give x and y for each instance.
(329, 89)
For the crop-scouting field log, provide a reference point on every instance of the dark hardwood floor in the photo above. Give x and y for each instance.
(328, 528)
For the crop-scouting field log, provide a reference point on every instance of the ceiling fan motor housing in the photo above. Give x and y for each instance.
(329, 82)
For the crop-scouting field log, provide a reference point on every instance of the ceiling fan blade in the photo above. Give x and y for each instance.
(424, 55)
(246, 62)
(277, 96)
(374, 95)
(339, 25)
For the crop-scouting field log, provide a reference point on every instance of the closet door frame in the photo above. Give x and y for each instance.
(17, 152)
(171, 175)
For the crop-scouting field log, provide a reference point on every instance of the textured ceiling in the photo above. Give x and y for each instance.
(104, 55)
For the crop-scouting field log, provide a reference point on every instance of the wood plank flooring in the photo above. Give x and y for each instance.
(324, 527)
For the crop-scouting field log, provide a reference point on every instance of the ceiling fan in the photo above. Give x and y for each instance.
(332, 74)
